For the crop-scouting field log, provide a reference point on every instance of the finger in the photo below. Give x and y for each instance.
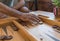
(24, 19)
(39, 20)
(32, 22)
(31, 17)
(36, 17)
(27, 18)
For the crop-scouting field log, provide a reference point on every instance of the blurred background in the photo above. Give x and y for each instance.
(44, 5)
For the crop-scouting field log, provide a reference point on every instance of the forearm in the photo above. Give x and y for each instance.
(19, 4)
(9, 11)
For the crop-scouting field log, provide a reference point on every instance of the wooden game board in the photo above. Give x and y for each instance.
(45, 30)
(40, 32)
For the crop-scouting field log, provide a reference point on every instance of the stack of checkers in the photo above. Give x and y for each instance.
(57, 28)
(25, 23)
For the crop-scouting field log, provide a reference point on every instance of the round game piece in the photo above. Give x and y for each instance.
(58, 28)
(1, 37)
(55, 26)
(8, 37)
(4, 37)
(41, 39)
(41, 23)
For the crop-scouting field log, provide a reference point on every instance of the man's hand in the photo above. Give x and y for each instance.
(15, 13)
(30, 18)
(20, 4)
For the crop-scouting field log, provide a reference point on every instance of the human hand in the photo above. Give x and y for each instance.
(30, 18)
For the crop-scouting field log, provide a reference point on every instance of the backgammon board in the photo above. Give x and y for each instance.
(46, 31)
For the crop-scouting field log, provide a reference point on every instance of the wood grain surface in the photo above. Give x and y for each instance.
(40, 32)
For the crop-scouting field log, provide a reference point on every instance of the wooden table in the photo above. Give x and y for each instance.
(41, 32)
(45, 30)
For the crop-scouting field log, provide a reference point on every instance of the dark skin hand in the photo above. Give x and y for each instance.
(30, 18)
(15, 13)
(19, 5)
